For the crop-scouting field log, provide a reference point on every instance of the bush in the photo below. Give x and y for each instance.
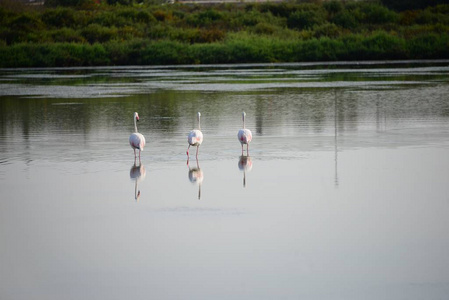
(95, 33)
(66, 35)
(278, 9)
(333, 6)
(377, 14)
(327, 30)
(59, 17)
(305, 19)
(164, 53)
(26, 23)
(216, 53)
(205, 18)
(57, 55)
(429, 46)
(264, 28)
(345, 19)
(382, 45)
(256, 32)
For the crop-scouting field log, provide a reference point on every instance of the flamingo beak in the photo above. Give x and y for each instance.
(137, 118)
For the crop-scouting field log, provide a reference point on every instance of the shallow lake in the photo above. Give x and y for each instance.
(344, 193)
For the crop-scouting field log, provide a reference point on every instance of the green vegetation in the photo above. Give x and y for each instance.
(120, 32)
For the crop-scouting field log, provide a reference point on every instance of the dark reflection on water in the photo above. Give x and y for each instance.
(196, 176)
(137, 173)
(245, 165)
(349, 192)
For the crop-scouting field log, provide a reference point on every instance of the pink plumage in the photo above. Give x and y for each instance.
(244, 135)
(136, 139)
(195, 137)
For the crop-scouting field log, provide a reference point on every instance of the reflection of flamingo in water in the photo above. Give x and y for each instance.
(196, 176)
(244, 135)
(195, 138)
(137, 173)
(136, 139)
(245, 164)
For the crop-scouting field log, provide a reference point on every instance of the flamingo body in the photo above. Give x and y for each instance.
(244, 135)
(136, 139)
(195, 137)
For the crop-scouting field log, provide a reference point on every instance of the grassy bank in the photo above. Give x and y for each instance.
(101, 34)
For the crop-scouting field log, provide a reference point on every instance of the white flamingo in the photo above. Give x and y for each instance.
(195, 137)
(245, 136)
(136, 139)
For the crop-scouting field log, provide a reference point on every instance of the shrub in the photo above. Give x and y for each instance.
(210, 35)
(108, 19)
(145, 17)
(345, 19)
(278, 9)
(121, 2)
(205, 18)
(327, 30)
(164, 53)
(215, 53)
(305, 19)
(264, 28)
(66, 35)
(382, 45)
(95, 33)
(59, 17)
(377, 14)
(408, 17)
(429, 45)
(26, 22)
(161, 15)
(333, 6)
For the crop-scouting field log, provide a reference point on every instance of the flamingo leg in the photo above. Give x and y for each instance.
(139, 158)
(188, 157)
(197, 149)
(247, 149)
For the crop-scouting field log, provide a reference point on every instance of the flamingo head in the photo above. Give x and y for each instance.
(243, 115)
(198, 114)
(136, 116)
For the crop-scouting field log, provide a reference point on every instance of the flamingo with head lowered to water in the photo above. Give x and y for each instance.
(244, 135)
(136, 139)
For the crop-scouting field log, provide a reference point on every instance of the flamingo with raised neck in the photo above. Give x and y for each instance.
(136, 139)
(244, 135)
(195, 137)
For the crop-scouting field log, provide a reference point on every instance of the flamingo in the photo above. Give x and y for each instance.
(195, 138)
(136, 139)
(245, 136)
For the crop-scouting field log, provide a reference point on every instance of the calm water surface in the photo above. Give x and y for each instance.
(344, 195)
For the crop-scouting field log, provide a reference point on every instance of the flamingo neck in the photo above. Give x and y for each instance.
(199, 123)
(135, 124)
